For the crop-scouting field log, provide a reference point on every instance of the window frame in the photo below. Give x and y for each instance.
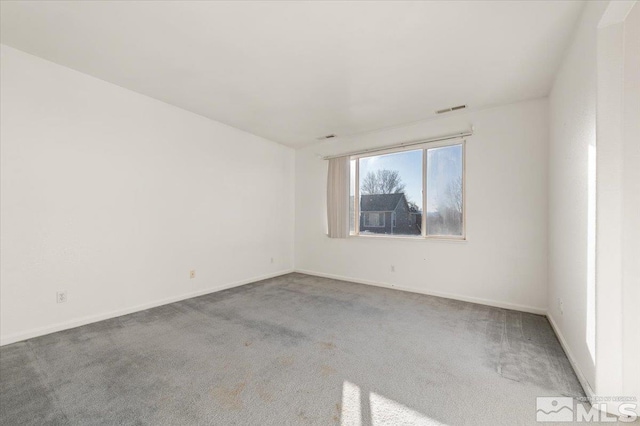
(423, 231)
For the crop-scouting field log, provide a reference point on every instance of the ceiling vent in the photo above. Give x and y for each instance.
(322, 138)
(455, 108)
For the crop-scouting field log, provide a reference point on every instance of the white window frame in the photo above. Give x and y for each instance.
(423, 230)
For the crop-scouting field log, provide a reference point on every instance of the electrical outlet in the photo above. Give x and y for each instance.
(393, 268)
(192, 273)
(272, 260)
(61, 296)
(560, 307)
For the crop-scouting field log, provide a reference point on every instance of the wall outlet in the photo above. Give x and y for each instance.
(393, 268)
(272, 260)
(192, 273)
(61, 296)
(560, 307)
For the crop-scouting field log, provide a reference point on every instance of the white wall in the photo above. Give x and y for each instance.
(618, 213)
(114, 197)
(631, 206)
(609, 200)
(572, 104)
(504, 261)
(593, 264)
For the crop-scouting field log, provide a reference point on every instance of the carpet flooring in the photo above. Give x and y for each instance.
(291, 350)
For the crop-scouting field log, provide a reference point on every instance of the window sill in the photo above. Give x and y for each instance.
(410, 238)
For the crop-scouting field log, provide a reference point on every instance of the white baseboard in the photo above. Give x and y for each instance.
(572, 360)
(481, 301)
(588, 390)
(24, 335)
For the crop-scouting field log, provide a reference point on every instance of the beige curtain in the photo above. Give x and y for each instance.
(338, 197)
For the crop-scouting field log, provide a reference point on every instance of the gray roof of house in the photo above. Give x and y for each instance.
(380, 202)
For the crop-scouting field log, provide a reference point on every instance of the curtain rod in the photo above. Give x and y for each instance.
(400, 145)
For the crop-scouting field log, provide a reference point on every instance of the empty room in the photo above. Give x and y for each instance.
(354, 213)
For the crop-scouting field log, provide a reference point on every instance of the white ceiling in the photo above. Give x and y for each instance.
(294, 71)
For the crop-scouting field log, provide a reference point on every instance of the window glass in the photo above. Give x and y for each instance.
(445, 191)
(391, 184)
(352, 194)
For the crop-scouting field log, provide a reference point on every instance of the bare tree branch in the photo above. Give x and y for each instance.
(382, 182)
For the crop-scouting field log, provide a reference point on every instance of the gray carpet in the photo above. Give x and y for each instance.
(291, 350)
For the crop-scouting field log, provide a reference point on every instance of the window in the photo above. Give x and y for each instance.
(422, 191)
(352, 195)
(374, 220)
(444, 191)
